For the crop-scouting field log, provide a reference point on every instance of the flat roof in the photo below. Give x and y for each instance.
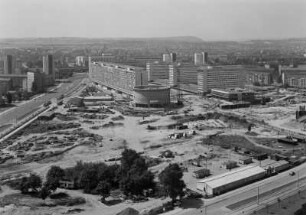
(232, 176)
(12, 76)
(97, 97)
(151, 87)
(118, 65)
(266, 163)
(238, 68)
(235, 90)
(5, 79)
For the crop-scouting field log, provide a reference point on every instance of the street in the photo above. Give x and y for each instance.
(17, 113)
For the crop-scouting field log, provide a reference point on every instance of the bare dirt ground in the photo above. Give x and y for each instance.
(134, 134)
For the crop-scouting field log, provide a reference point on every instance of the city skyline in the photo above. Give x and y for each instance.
(208, 20)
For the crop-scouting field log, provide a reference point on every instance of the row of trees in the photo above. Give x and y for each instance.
(132, 177)
(18, 96)
(33, 183)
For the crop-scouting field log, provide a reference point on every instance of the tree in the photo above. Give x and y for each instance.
(134, 174)
(54, 175)
(44, 192)
(89, 179)
(32, 182)
(103, 189)
(301, 211)
(250, 127)
(171, 180)
(128, 158)
(9, 98)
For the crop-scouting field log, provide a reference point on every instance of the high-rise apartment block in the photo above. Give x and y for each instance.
(201, 58)
(9, 65)
(48, 67)
(169, 58)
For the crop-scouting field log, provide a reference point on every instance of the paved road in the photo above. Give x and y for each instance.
(23, 110)
(241, 199)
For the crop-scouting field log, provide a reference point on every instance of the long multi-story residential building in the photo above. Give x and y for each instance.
(17, 81)
(157, 70)
(259, 76)
(221, 77)
(184, 73)
(294, 77)
(122, 78)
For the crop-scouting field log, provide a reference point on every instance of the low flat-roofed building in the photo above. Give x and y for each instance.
(201, 173)
(272, 166)
(245, 160)
(222, 183)
(97, 98)
(236, 94)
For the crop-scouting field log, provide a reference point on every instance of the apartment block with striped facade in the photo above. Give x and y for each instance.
(122, 78)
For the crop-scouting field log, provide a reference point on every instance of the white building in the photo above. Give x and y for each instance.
(222, 183)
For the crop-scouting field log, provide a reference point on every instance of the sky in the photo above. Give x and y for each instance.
(206, 19)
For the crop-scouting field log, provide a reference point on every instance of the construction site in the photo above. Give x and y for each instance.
(210, 143)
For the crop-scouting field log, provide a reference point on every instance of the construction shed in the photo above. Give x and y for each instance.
(201, 173)
(46, 116)
(225, 182)
(245, 160)
(230, 164)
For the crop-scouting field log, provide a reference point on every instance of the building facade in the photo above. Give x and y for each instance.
(36, 82)
(184, 73)
(294, 77)
(220, 77)
(151, 96)
(122, 78)
(9, 65)
(157, 70)
(48, 66)
(259, 76)
(4, 85)
(234, 94)
(201, 58)
(81, 61)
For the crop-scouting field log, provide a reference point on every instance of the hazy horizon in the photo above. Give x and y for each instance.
(209, 20)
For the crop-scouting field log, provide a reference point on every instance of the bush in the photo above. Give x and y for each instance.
(58, 195)
(70, 201)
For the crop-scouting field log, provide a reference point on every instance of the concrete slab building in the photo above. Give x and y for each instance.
(225, 182)
(119, 77)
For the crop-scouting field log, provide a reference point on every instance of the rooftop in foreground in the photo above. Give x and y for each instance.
(232, 176)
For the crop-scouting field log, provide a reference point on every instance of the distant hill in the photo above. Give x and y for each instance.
(70, 40)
